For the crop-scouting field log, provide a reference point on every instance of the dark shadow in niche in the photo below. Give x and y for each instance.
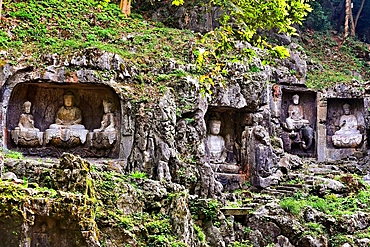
(51, 232)
(336, 111)
(299, 135)
(47, 98)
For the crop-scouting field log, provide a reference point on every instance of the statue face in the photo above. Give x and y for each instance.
(107, 107)
(27, 109)
(215, 127)
(296, 99)
(68, 100)
(346, 109)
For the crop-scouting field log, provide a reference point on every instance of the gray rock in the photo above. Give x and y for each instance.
(312, 241)
(11, 176)
(330, 184)
(283, 242)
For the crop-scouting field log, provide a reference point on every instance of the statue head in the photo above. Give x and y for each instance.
(68, 98)
(107, 105)
(346, 109)
(26, 107)
(215, 126)
(295, 99)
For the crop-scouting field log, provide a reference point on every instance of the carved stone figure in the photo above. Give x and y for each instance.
(295, 118)
(262, 147)
(216, 143)
(67, 131)
(348, 135)
(257, 149)
(257, 152)
(300, 131)
(25, 134)
(106, 135)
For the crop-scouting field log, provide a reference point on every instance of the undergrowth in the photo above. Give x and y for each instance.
(35, 28)
(333, 60)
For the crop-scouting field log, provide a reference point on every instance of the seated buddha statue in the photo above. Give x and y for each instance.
(216, 143)
(25, 134)
(295, 119)
(106, 135)
(67, 123)
(348, 134)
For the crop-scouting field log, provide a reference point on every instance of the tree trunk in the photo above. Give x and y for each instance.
(359, 12)
(125, 6)
(347, 17)
(1, 7)
(352, 23)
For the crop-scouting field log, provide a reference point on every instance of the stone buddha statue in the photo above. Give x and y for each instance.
(295, 118)
(300, 132)
(348, 135)
(68, 115)
(25, 134)
(216, 143)
(107, 130)
(67, 123)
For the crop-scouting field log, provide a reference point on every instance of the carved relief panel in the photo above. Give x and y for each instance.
(298, 121)
(345, 123)
(84, 119)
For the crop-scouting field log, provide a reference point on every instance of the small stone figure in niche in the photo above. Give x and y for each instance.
(106, 135)
(216, 143)
(349, 134)
(25, 134)
(231, 149)
(301, 133)
(107, 124)
(67, 127)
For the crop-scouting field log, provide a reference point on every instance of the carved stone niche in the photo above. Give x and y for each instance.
(298, 121)
(345, 126)
(47, 99)
(49, 231)
(223, 144)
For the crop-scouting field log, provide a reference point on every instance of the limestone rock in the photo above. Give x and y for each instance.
(311, 241)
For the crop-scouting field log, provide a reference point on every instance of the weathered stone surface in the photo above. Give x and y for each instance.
(164, 136)
(311, 241)
(283, 242)
(323, 184)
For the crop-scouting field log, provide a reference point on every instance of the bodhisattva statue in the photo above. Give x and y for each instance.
(67, 127)
(25, 134)
(301, 133)
(348, 135)
(216, 143)
(106, 135)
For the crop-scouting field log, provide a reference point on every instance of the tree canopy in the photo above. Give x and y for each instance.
(243, 19)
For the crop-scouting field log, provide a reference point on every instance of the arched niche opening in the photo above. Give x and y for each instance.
(47, 98)
(230, 168)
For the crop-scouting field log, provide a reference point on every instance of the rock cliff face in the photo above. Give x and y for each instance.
(162, 133)
(155, 128)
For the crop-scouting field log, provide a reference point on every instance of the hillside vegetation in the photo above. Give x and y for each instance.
(35, 28)
(130, 207)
